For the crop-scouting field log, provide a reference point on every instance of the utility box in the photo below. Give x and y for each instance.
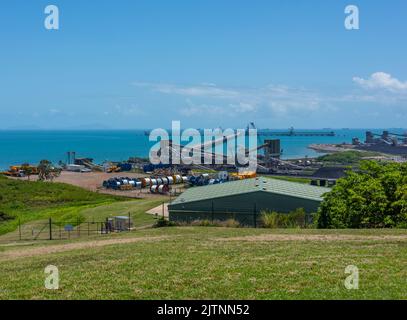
(122, 223)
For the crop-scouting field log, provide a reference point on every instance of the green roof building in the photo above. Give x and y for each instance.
(243, 200)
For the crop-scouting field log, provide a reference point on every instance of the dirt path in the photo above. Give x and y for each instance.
(23, 253)
(315, 237)
(158, 211)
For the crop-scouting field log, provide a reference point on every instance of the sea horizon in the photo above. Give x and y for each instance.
(32, 146)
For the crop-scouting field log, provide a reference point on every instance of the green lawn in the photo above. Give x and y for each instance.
(293, 179)
(136, 208)
(215, 263)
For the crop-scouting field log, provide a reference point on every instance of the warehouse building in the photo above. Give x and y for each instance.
(244, 200)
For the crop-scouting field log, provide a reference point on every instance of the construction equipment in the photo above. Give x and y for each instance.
(20, 171)
(244, 175)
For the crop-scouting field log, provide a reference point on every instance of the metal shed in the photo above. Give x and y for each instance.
(243, 200)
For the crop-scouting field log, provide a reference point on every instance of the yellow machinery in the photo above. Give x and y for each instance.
(113, 169)
(244, 175)
(20, 171)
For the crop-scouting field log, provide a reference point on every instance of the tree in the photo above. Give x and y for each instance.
(28, 170)
(374, 197)
(46, 171)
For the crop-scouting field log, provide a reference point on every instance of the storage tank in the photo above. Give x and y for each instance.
(153, 182)
(163, 189)
(153, 189)
(164, 180)
(178, 179)
(138, 184)
(185, 179)
(146, 182)
(170, 180)
(159, 181)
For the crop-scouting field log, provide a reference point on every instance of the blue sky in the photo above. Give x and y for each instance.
(141, 64)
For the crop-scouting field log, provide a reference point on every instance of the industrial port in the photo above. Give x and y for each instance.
(137, 177)
(387, 143)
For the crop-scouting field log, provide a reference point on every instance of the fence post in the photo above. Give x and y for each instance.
(129, 222)
(213, 211)
(50, 229)
(19, 228)
(163, 210)
(255, 215)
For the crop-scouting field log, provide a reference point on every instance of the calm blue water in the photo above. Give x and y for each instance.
(17, 147)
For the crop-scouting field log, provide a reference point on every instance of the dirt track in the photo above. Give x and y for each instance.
(315, 237)
(93, 181)
(23, 253)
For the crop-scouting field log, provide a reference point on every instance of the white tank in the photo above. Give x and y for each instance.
(162, 189)
(154, 189)
(184, 179)
(153, 182)
(164, 180)
(170, 180)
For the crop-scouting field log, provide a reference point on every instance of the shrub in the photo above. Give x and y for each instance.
(162, 222)
(5, 217)
(293, 219)
(230, 223)
(374, 197)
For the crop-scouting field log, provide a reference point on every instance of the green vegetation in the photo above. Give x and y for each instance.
(213, 263)
(33, 200)
(294, 219)
(373, 197)
(347, 157)
(46, 171)
(293, 179)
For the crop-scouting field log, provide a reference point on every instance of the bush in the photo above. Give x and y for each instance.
(374, 197)
(5, 217)
(162, 222)
(230, 223)
(293, 219)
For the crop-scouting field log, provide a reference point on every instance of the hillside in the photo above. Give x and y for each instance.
(32, 200)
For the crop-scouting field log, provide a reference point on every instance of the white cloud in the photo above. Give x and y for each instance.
(381, 80)
(193, 109)
(223, 100)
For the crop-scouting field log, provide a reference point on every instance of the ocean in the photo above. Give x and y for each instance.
(17, 147)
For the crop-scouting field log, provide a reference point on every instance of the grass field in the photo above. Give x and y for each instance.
(212, 263)
(186, 262)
